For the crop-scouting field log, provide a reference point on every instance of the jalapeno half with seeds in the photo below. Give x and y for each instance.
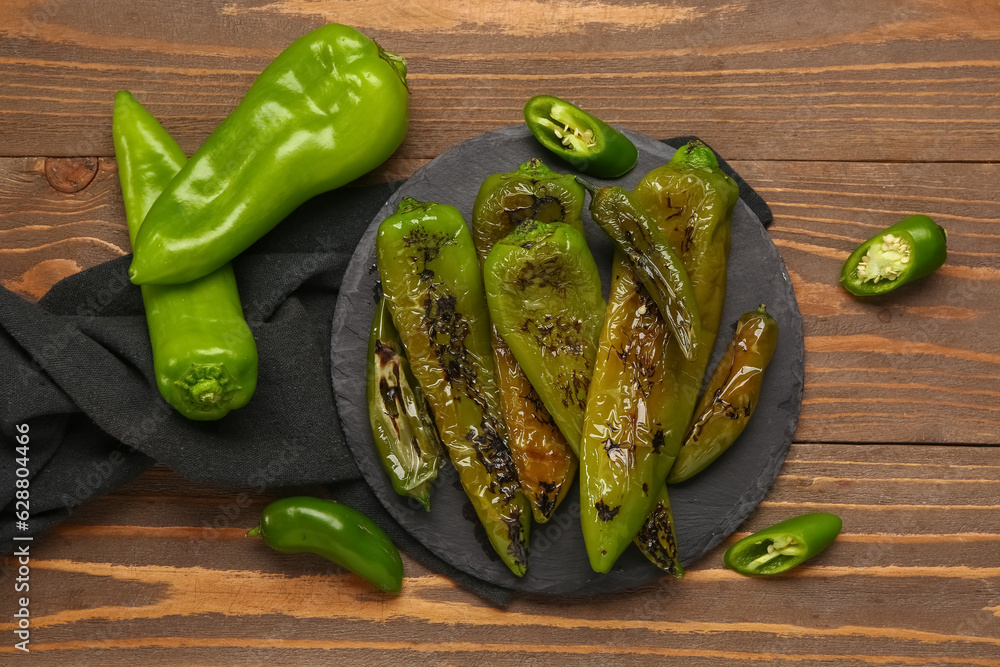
(910, 249)
(784, 545)
(588, 143)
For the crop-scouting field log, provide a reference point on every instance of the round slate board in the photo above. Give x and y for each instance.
(706, 509)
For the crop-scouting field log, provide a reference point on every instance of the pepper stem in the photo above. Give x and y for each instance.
(590, 187)
(695, 155)
(254, 532)
(207, 386)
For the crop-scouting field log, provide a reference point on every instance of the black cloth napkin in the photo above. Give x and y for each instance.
(77, 368)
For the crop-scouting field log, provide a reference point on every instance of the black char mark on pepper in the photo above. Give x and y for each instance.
(605, 513)
(547, 499)
(657, 536)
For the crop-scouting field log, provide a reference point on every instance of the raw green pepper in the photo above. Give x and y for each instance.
(334, 531)
(656, 262)
(434, 289)
(330, 108)
(403, 429)
(544, 295)
(784, 545)
(545, 463)
(588, 143)
(910, 249)
(204, 356)
(731, 395)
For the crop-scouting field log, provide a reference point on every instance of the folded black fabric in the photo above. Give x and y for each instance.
(77, 368)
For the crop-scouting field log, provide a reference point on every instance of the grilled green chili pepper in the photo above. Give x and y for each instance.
(784, 545)
(731, 396)
(644, 389)
(434, 289)
(330, 108)
(334, 531)
(204, 356)
(544, 294)
(545, 463)
(910, 249)
(654, 259)
(588, 143)
(657, 539)
(404, 431)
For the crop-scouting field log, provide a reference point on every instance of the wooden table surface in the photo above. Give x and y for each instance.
(846, 117)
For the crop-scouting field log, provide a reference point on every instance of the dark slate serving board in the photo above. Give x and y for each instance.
(707, 508)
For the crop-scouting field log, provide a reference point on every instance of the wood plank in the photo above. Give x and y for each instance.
(895, 368)
(913, 80)
(901, 586)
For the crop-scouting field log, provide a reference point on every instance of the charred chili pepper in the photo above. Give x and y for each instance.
(545, 463)
(731, 396)
(656, 262)
(334, 531)
(434, 290)
(657, 539)
(331, 107)
(404, 431)
(647, 388)
(544, 294)
(588, 143)
(204, 355)
(784, 545)
(910, 249)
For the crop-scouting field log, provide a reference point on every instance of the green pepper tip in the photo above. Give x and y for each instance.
(255, 532)
(695, 155)
(410, 205)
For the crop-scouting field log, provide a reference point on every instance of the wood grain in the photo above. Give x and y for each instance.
(140, 576)
(913, 80)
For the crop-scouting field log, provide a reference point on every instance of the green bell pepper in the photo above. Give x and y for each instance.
(586, 142)
(910, 249)
(204, 356)
(330, 108)
(336, 532)
(545, 462)
(434, 290)
(784, 545)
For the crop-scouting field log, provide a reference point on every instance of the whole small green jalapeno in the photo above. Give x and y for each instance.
(545, 462)
(204, 355)
(434, 289)
(403, 429)
(336, 532)
(330, 108)
(654, 259)
(784, 545)
(544, 294)
(731, 395)
(910, 249)
(589, 144)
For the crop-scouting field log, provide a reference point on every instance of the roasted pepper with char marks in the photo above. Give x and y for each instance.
(545, 462)
(434, 289)
(544, 294)
(402, 426)
(731, 395)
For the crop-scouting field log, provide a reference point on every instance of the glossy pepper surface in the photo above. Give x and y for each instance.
(731, 396)
(589, 144)
(336, 532)
(545, 462)
(654, 259)
(434, 289)
(784, 545)
(544, 294)
(404, 431)
(204, 355)
(330, 108)
(910, 249)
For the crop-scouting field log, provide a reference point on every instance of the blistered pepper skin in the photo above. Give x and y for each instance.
(204, 354)
(405, 435)
(434, 289)
(545, 462)
(330, 108)
(731, 396)
(544, 294)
